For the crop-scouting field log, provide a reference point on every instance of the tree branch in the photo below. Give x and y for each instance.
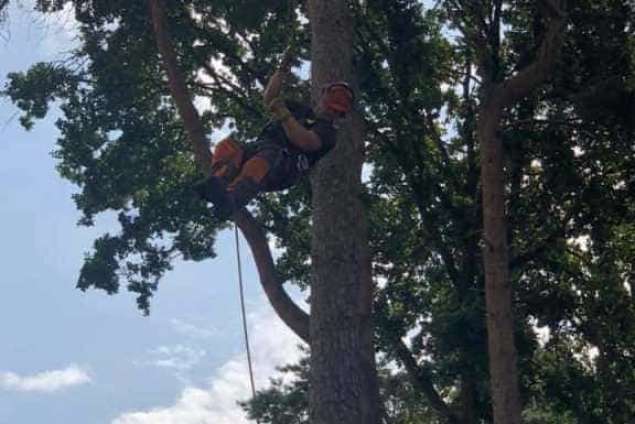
(294, 317)
(178, 88)
(420, 378)
(460, 13)
(432, 130)
(518, 86)
(540, 248)
(431, 223)
(242, 101)
(233, 91)
(221, 79)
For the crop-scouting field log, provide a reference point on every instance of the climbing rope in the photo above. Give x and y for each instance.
(291, 45)
(244, 315)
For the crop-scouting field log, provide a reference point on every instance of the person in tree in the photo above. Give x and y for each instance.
(286, 149)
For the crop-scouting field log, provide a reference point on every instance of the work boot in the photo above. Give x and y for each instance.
(240, 193)
(212, 189)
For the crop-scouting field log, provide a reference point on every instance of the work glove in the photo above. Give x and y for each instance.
(278, 109)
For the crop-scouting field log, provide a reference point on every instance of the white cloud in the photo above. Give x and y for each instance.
(47, 381)
(177, 357)
(272, 345)
(192, 330)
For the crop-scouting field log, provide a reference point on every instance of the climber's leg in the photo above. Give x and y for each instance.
(228, 158)
(245, 186)
(226, 163)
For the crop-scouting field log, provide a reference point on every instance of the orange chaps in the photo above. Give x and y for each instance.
(229, 163)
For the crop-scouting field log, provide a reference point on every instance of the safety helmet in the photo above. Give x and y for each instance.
(344, 84)
(340, 103)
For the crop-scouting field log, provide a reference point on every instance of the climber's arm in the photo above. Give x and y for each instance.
(298, 135)
(304, 139)
(274, 85)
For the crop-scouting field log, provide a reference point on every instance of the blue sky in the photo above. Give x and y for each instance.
(89, 358)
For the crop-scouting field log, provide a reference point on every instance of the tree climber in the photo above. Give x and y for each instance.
(289, 145)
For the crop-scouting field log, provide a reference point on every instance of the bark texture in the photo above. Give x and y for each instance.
(498, 298)
(495, 98)
(343, 378)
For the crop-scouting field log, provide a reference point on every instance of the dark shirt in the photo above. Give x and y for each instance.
(274, 136)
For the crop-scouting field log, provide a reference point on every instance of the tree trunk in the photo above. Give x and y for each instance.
(344, 388)
(467, 398)
(496, 97)
(498, 297)
(343, 380)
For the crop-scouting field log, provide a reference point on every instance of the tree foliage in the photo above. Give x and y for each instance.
(569, 162)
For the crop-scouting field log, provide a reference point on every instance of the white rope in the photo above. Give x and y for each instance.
(244, 315)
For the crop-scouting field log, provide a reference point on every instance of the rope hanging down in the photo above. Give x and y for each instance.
(244, 315)
(286, 56)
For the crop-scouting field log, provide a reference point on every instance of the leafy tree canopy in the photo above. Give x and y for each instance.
(569, 166)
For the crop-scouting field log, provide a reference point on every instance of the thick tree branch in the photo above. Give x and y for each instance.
(178, 88)
(498, 290)
(420, 378)
(521, 84)
(294, 317)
